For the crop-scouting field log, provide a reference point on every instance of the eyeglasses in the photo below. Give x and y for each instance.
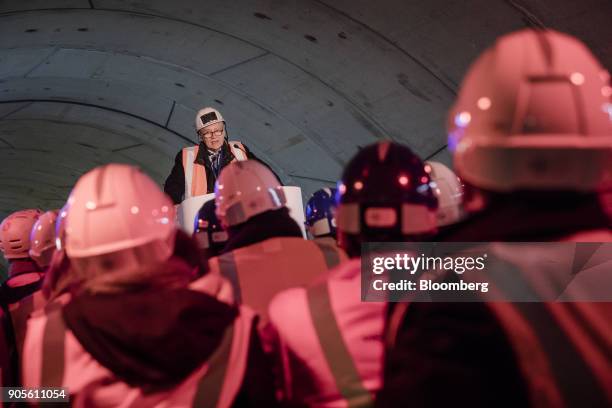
(208, 135)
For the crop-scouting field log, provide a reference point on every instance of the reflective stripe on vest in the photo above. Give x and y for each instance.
(555, 370)
(336, 353)
(558, 375)
(229, 270)
(196, 183)
(330, 253)
(210, 385)
(53, 348)
(21, 311)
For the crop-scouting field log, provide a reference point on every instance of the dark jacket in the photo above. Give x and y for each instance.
(13, 293)
(269, 224)
(175, 183)
(461, 348)
(10, 294)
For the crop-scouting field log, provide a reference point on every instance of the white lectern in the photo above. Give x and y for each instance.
(188, 209)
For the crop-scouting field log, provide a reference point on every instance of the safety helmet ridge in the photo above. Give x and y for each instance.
(534, 112)
(42, 238)
(15, 233)
(385, 191)
(245, 189)
(116, 207)
(206, 117)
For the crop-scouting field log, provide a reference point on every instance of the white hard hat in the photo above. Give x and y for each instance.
(534, 113)
(15, 233)
(42, 238)
(244, 189)
(206, 117)
(449, 191)
(116, 208)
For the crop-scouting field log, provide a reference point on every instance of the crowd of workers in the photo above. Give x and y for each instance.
(109, 299)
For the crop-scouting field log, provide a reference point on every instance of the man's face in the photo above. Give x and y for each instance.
(213, 135)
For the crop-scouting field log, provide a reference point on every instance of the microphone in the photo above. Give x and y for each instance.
(237, 146)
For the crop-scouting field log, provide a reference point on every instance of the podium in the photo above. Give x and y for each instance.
(188, 209)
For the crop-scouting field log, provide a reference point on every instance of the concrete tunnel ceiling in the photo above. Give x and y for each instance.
(302, 83)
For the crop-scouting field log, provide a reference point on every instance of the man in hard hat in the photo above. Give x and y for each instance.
(25, 278)
(196, 168)
(320, 218)
(133, 332)
(265, 251)
(532, 141)
(208, 232)
(42, 239)
(328, 341)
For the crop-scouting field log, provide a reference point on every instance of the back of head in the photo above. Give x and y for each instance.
(385, 195)
(320, 220)
(15, 233)
(119, 227)
(208, 231)
(534, 114)
(42, 239)
(448, 189)
(245, 189)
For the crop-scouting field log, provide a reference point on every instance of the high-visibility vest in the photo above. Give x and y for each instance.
(21, 311)
(53, 357)
(195, 173)
(329, 342)
(563, 349)
(259, 271)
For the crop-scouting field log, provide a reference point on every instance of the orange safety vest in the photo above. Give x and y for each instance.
(195, 173)
(258, 272)
(53, 357)
(329, 342)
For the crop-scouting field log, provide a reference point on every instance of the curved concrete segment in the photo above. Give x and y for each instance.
(303, 83)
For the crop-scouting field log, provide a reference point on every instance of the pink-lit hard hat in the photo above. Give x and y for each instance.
(245, 189)
(115, 208)
(534, 113)
(42, 238)
(15, 233)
